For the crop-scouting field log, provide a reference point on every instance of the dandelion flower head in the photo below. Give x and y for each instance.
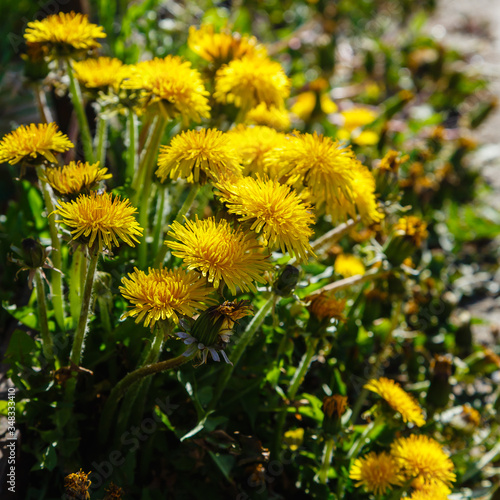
(220, 253)
(269, 116)
(29, 142)
(433, 491)
(423, 458)
(253, 79)
(254, 145)
(64, 34)
(100, 217)
(173, 82)
(101, 72)
(164, 294)
(273, 210)
(377, 473)
(348, 265)
(413, 228)
(75, 178)
(398, 399)
(322, 165)
(196, 155)
(222, 47)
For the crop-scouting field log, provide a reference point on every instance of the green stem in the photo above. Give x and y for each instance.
(75, 286)
(106, 320)
(77, 100)
(363, 439)
(145, 189)
(297, 379)
(301, 371)
(47, 344)
(240, 347)
(56, 277)
(101, 137)
(129, 401)
(77, 348)
(326, 461)
(122, 387)
(188, 202)
(132, 146)
(379, 360)
(371, 275)
(159, 218)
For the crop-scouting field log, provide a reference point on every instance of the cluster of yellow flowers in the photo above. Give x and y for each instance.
(417, 459)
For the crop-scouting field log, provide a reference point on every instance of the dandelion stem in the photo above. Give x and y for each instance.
(188, 202)
(102, 137)
(353, 280)
(56, 277)
(77, 348)
(77, 100)
(129, 401)
(47, 344)
(123, 386)
(380, 358)
(297, 379)
(159, 219)
(145, 189)
(132, 146)
(240, 347)
(75, 285)
(326, 461)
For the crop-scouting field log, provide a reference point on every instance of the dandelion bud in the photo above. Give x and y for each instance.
(287, 281)
(386, 173)
(407, 237)
(333, 408)
(439, 391)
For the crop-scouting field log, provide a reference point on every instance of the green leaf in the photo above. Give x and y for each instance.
(224, 462)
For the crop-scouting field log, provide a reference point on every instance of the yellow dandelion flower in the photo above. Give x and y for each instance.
(64, 34)
(253, 79)
(365, 138)
(432, 491)
(100, 72)
(222, 47)
(363, 198)
(164, 294)
(75, 178)
(398, 399)
(307, 102)
(77, 484)
(324, 166)
(277, 118)
(273, 210)
(348, 265)
(377, 473)
(173, 82)
(412, 227)
(326, 306)
(254, 145)
(423, 458)
(101, 217)
(357, 117)
(220, 253)
(32, 141)
(196, 155)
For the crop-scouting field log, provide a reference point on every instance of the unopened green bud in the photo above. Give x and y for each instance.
(287, 281)
(439, 391)
(333, 408)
